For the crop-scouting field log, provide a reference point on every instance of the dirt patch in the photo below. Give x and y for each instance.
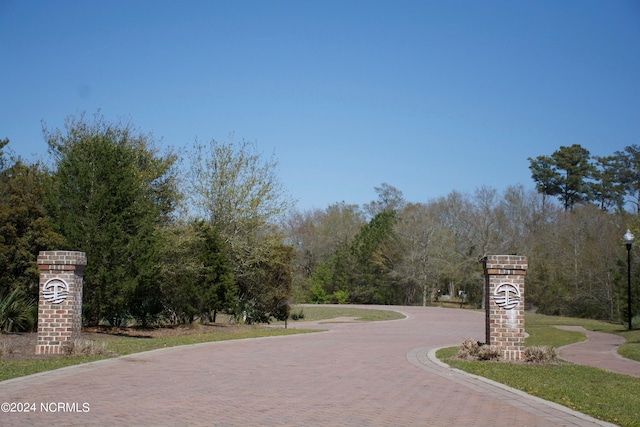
(17, 345)
(23, 345)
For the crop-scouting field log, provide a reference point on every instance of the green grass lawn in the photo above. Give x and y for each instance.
(316, 313)
(14, 368)
(607, 396)
(130, 345)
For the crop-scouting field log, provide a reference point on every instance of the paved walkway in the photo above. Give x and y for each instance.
(362, 374)
(600, 350)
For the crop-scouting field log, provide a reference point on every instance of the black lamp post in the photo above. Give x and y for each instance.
(628, 240)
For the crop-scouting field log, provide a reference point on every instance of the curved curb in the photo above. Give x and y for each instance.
(425, 358)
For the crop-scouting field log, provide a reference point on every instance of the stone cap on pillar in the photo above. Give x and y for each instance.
(505, 264)
(47, 259)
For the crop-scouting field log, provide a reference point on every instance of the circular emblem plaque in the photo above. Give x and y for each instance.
(55, 291)
(506, 296)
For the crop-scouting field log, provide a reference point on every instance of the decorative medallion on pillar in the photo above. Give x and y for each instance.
(60, 300)
(504, 304)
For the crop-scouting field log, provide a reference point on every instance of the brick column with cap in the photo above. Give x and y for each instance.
(60, 300)
(504, 304)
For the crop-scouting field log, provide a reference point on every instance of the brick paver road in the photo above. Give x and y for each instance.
(363, 374)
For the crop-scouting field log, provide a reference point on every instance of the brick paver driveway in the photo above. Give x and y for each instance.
(356, 374)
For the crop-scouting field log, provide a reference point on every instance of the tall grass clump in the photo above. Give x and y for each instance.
(472, 350)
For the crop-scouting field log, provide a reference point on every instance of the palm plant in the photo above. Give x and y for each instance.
(17, 312)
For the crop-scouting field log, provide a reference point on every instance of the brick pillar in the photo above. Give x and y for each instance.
(60, 300)
(504, 304)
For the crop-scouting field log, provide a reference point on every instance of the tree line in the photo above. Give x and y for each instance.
(165, 244)
(175, 237)
(391, 251)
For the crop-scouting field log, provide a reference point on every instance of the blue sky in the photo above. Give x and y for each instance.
(428, 96)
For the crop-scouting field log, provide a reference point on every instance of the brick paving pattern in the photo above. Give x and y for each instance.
(356, 374)
(599, 350)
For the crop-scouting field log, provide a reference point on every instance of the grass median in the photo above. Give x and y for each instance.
(317, 313)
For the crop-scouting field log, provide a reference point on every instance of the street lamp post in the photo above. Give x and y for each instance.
(628, 240)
